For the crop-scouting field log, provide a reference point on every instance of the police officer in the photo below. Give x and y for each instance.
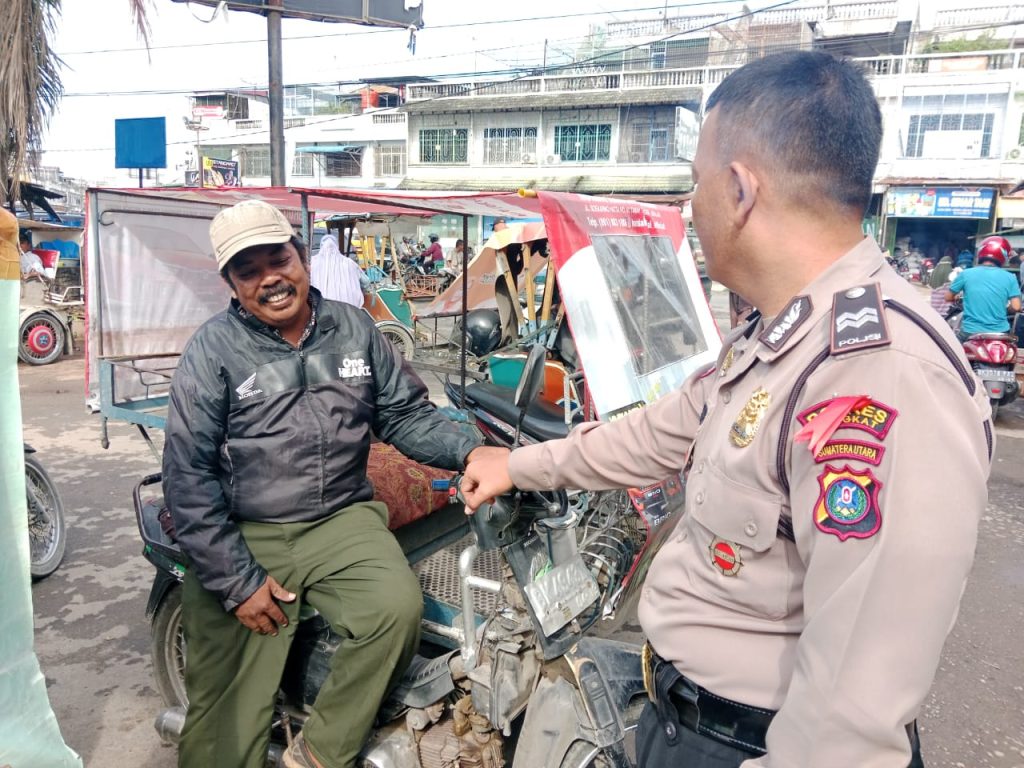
(797, 613)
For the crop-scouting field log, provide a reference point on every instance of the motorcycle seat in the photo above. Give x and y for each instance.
(543, 421)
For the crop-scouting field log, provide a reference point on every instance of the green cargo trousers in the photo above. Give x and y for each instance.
(350, 568)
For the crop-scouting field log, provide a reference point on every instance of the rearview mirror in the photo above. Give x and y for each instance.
(531, 381)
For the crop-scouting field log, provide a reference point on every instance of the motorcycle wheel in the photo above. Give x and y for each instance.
(47, 531)
(168, 649)
(399, 336)
(583, 754)
(41, 341)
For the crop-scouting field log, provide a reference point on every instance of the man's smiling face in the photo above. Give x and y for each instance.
(272, 283)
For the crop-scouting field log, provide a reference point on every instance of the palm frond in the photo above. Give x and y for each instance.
(140, 16)
(30, 86)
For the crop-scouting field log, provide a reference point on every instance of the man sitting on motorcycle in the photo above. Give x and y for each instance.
(272, 409)
(433, 256)
(987, 291)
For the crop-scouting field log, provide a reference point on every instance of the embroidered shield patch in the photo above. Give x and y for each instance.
(848, 504)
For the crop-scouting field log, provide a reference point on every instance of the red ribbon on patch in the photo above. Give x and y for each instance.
(820, 429)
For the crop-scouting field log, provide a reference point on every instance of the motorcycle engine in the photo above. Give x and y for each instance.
(464, 739)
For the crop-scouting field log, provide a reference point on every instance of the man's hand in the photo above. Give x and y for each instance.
(486, 476)
(260, 613)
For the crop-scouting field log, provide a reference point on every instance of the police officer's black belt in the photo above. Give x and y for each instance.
(701, 711)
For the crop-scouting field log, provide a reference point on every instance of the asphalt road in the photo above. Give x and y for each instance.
(93, 640)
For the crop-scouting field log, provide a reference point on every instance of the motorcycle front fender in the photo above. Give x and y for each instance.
(162, 584)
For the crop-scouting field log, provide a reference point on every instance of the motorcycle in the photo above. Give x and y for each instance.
(509, 671)
(47, 530)
(993, 358)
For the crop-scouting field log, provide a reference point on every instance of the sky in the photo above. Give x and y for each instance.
(108, 69)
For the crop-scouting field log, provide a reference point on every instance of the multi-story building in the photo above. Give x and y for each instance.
(333, 137)
(622, 118)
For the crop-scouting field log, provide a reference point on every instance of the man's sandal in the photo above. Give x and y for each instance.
(299, 756)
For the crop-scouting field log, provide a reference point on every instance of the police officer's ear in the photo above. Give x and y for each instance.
(743, 189)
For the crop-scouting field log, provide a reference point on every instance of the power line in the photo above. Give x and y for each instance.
(457, 25)
(532, 72)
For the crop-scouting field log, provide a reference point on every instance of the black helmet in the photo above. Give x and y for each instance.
(434, 238)
(483, 331)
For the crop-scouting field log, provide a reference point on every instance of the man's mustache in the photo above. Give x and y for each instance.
(276, 291)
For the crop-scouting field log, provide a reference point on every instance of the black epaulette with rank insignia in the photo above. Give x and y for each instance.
(858, 320)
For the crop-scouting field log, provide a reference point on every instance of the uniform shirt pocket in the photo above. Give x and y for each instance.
(738, 559)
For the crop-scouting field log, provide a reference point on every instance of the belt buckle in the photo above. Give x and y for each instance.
(647, 660)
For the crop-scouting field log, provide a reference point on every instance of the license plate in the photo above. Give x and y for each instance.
(996, 374)
(561, 594)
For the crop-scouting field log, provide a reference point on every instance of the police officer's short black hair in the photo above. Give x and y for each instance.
(808, 115)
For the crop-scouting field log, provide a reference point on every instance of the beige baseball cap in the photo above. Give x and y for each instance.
(249, 223)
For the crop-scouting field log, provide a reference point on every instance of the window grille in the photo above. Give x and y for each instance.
(391, 160)
(444, 145)
(507, 146)
(583, 143)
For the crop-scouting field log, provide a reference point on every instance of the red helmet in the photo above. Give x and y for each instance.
(995, 249)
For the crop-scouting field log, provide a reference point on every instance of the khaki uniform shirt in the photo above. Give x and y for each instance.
(841, 629)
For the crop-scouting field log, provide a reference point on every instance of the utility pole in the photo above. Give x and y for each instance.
(276, 94)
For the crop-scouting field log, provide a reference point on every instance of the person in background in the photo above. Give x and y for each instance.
(31, 264)
(433, 255)
(940, 274)
(455, 258)
(988, 290)
(337, 276)
(499, 224)
(795, 615)
(964, 259)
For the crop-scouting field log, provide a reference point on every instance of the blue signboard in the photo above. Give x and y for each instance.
(140, 142)
(940, 202)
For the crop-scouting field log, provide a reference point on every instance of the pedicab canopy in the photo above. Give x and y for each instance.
(625, 274)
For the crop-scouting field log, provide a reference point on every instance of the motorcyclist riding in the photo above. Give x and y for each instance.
(987, 290)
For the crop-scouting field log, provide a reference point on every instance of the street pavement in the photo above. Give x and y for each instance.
(92, 637)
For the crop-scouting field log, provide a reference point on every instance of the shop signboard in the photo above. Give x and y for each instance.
(940, 202)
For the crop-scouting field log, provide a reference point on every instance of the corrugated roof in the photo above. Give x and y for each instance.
(591, 184)
(534, 101)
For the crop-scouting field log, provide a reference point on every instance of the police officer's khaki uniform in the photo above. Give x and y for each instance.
(837, 624)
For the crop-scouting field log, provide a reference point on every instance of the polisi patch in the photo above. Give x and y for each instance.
(856, 450)
(786, 323)
(874, 417)
(858, 319)
(848, 504)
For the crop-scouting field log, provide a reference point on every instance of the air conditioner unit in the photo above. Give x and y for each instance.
(529, 159)
(1017, 153)
(554, 159)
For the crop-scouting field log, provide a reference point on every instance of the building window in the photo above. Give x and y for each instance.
(583, 143)
(255, 161)
(444, 145)
(509, 146)
(391, 160)
(649, 143)
(302, 164)
(953, 125)
(348, 163)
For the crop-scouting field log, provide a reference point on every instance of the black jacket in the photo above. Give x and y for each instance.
(259, 430)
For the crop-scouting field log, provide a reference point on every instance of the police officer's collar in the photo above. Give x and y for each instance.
(807, 309)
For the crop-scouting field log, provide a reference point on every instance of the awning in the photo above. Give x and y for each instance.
(584, 183)
(331, 148)
(483, 102)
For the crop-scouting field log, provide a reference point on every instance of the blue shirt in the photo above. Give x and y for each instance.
(986, 292)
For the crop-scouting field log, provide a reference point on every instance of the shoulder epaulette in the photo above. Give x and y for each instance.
(858, 320)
